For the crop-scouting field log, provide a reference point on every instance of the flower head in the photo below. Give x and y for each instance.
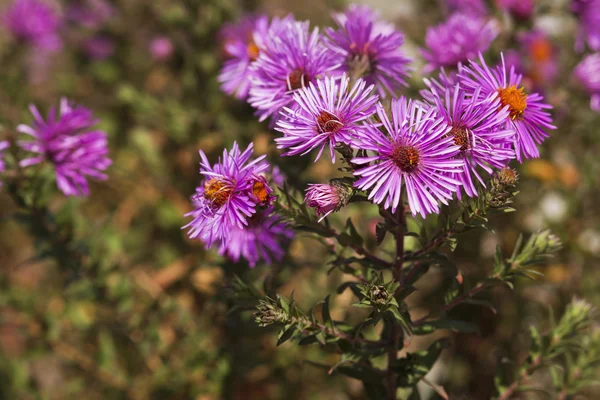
(457, 40)
(364, 46)
(35, 22)
(328, 198)
(479, 129)
(325, 113)
(264, 238)
(588, 12)
(294, 57)
(243, 42)
(415, 151)
(231, 191)
(91, 13)
(70, 143)
(587, 72)
(520, 9)
(99, 47)
(527, 116)
(161, 48)
(540, 57)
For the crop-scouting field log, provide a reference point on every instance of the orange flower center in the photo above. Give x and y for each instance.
(259, 189)
(461, 137)
(406, 158)
(541, 50)
(327, 122)
(516, 100)
(253, 50)
(297, 79)
(217, 191)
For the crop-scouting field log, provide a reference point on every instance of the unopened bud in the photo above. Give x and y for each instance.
(327, 198)
(269, 313)
(379, 294)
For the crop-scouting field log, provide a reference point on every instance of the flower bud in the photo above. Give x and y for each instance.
(379, 294)
(327, 198)
(269, 313)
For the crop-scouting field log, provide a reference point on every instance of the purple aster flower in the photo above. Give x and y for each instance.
(264, 238)
(457, 40)
(527, 111)
(479, 129)
(444, 81)
(472, 7)
(587, 72)
(328, 198)
(294, 58)
(243, 41)
(69, 142)
(325, 113)
(588, 12)
(34, 21)
(230, 193)
(520, 9)
(363, 46)
(161, 48)
(414, 151)
(91, 13)
(540, 55)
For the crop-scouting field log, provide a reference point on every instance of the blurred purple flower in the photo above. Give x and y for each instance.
(365, 47)
(326, 112)
(99, 47)
(588, 12)
(479, 129)
(161, 48)
(541, 63)
(472, 7)
(231, 192)
(91, 13)
(527, 111)
(415, 151)
(242, 43)
(294, 58)
(457, 40)
(520, 9)
(35, 22)
(264, 238)
(69, 142)
(587, 72)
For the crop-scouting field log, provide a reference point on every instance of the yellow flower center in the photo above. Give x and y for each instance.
(217, 191)
(253, 50)
(259, 189)
(297, 79)
(461, 137)
(406, 158)
(541, 50)
(516, 100)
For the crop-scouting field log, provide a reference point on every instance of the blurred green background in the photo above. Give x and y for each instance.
(141, 312)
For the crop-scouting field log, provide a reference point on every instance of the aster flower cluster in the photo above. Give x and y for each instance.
(232, 208)
(35, 22)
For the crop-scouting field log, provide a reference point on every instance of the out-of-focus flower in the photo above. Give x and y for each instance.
(365, 47)
(473, 7)
(161, 48)
(480, 131)
(414, 151)
(35, 22)
(588, 12)
(587, 72)
(527, 111)
(91, 13)
(70, 143)
(554, 207)
(295, 57)
(3, 146)
(243, 41)
(264, 238)
(457, 40)
(325, 113)
(328, 198)
(539, 55)
(230, 193)
(520, 9)
(99, 47)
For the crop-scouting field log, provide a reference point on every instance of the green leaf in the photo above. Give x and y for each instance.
(355, 237)
(453, 325)
(325, 312)
(416, 365)
(375, 391)
(285, 335)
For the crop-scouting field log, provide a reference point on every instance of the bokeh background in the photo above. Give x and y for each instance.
(135, 310)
